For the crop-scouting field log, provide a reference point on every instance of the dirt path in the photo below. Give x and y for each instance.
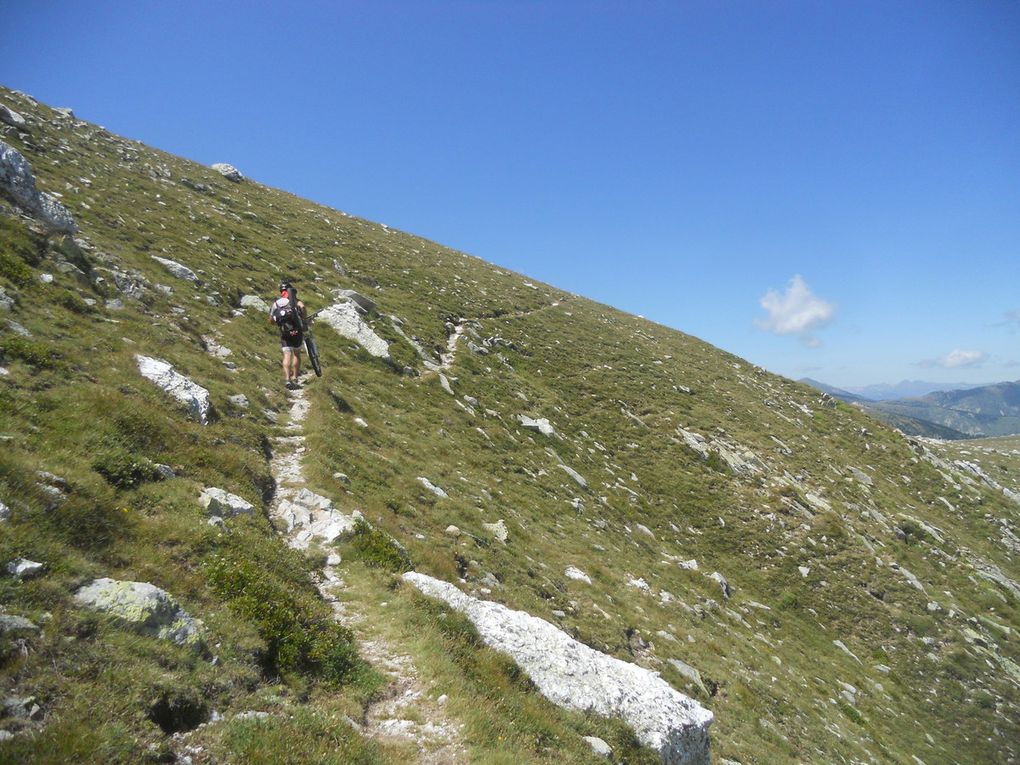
(404, 715)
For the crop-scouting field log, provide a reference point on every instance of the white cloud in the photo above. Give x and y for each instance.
(797, 311)
(956, 359)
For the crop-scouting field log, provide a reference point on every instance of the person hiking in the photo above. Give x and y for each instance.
(288, 314)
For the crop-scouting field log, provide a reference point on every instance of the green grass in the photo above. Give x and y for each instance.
(73, 404)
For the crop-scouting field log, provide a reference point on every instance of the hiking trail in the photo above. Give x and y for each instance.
(403, 714)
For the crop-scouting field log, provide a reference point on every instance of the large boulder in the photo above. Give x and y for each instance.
(192, 395)
(177, 269)
(229, 172)
(12, 118)
(17, 183)
(346, 320)
(143, 607)
(572, 675)
(540, 425)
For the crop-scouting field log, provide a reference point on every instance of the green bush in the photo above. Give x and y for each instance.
(32, 352)
(377, 550)
(124, 470)
(299, 633)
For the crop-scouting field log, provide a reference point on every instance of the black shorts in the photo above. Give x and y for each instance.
(292, 342)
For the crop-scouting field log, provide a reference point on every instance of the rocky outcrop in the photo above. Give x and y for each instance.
(229, 172)
(311, 518)
(254, 301)
(345, 319)
(143, 607)
(575, 676)
(18, 185)
(192, 395)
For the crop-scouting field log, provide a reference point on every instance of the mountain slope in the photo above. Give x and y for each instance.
(830, 590)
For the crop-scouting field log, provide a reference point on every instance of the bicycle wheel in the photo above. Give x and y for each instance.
(313, 355)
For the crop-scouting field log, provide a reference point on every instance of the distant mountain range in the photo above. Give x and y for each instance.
(973, 411)
(906, 389)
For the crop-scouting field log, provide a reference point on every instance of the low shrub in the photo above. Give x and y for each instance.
(377, 549)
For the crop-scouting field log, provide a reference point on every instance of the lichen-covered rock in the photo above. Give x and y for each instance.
(17, 625)
(142, 607)
(224, 504)
(192, 395)
(346, 321)
(572, 675)
(254, 301)
(498, 530)
(229, 172)
(177, 269)
(22, 568)
(17, 183)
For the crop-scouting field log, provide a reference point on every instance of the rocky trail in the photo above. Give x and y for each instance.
(403, 716)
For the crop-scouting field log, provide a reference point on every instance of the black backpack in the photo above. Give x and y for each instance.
(287, 317)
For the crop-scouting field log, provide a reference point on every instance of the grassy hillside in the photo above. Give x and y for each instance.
(871, 608)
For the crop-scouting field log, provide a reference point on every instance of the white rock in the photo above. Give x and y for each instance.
(239, 400)
(445, 384)
(347, 322)
(572, 572)
(364, 303)
(540, 425)
(222, 503)
(177, 269)
(574, 676)
(192, 395)
(639, 584)
(229, 172)
(431, 486)
(254, 301)
(599, 747)
(21, 568)
(5, 512)
(804, 571)
(360, 422)
(143, 607)
(727, 590)
(575, 475)
(452, 531)
(17, 183)
(842, 646)
(12, 118)
(498, 530)
(690, 565)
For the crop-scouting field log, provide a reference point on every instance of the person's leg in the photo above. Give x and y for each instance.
(286, 365)
(295, 363)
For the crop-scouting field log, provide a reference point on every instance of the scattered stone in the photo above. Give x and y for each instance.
(690, 673)
(572, 675)
(541, 425)
(252, 715)
(452, 531)
(912, 580)
(310, 517)
(360, 422)
(143, 607)
(644, 530)
(690, 565)
(572, 572)
(365, 304)
(177, 269)
(498, 530)
(219, 502)
(346, 321)
(861, 476)
(599, 747)
(21, 568)
(22, 708)
(804, 571)
(17, 183)
(727, 590)
(445, 384)
(5, 512)
(575, 475)
(842, 646)
(64, 111)
(192, 395)
(254, 301)
(229, 172)
(16, 625)
(239, 400)
(432, 487)
(639, 584)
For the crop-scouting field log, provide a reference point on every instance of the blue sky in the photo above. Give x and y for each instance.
(826, 189)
